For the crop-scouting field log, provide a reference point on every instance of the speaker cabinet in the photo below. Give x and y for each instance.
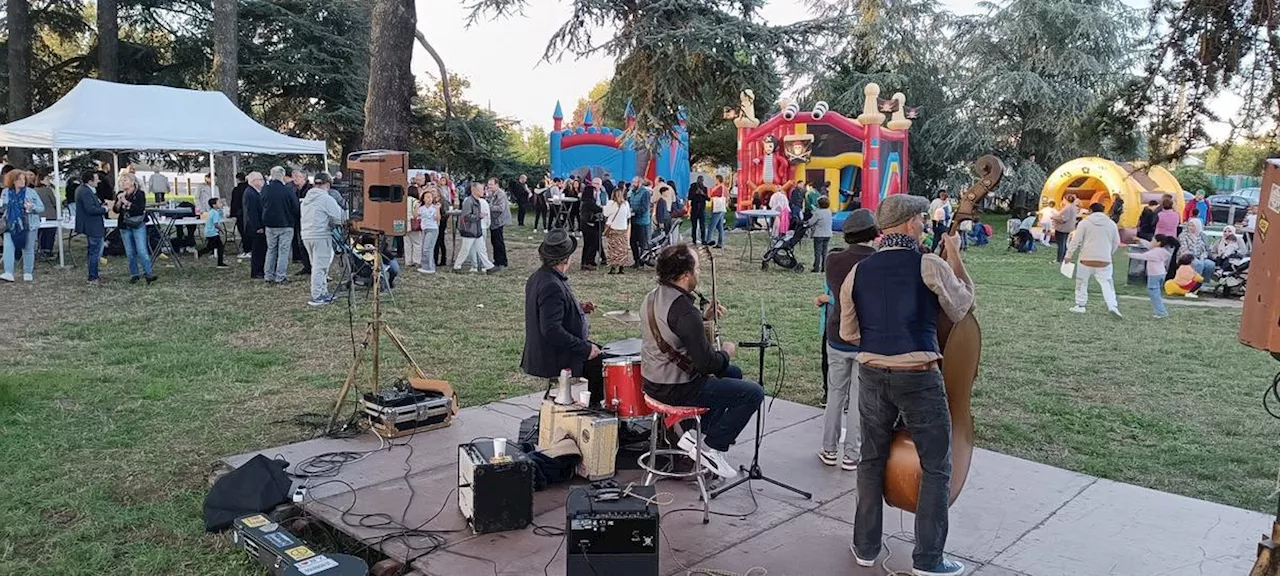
(1260, 321)
(378, 180)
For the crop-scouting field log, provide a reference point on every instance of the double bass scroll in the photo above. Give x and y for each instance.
(961, 345)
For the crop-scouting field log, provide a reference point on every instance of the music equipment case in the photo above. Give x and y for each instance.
(618, 537)
(284, 554)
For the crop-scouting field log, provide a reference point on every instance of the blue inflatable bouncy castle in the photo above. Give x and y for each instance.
(589, 151)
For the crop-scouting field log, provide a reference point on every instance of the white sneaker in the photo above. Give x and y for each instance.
(28, 278)
(1115, 312)
(7, 277)
(1078, 309)
(713, 459)
(1192, 295)
(860, 561)
(425, 271)
(243, 256)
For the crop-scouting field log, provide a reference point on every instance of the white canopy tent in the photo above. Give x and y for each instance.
(98, 115)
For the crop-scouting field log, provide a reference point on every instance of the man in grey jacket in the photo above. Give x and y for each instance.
(500, 217)
(320, 213)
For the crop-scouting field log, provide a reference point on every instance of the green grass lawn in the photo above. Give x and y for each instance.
(115, 403)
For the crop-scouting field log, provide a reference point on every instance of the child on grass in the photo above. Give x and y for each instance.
(1157, 258)
(820, 220)
(213, 231)
(1186, 281)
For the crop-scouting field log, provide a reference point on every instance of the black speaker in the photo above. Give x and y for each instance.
(611, 534)
(494, 495)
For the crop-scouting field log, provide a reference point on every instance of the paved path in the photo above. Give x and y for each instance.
(1014, 518)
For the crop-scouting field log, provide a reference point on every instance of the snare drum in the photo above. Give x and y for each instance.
(624, 387)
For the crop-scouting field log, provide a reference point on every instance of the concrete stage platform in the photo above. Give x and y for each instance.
(1015, 517)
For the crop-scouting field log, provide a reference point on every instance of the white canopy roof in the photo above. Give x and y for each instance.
(98, 115)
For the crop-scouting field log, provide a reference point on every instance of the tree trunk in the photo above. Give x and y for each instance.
(19, 72)
(226, 72)
(387, 105)
(108, 41)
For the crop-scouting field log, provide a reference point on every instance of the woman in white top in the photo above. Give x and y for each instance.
(429, 215)
(617, 220)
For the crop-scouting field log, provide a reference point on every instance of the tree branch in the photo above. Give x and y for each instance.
(444, 83)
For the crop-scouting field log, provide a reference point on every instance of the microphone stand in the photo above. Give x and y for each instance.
(754, 472)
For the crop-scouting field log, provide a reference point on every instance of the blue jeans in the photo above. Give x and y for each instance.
(135, 247)
(730, 403)
(1204, 267)
(921, 398)
(1155, 291)
(717, 228)
(94, 256)
(28, 252)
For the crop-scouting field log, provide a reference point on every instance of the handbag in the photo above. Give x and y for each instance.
(609, 229)
(131, 222)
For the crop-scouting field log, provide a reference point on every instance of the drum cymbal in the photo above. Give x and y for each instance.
(623, 316)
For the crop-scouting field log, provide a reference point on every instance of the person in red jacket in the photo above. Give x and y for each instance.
(773, 170)
(1197, 204)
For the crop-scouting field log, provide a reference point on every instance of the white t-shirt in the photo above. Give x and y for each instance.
(1250, 220)
(484, 209)
(427, 213)
(617, 215)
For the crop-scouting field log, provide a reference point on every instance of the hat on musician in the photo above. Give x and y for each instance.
(557, 246)
(858, 221)
(899, 208)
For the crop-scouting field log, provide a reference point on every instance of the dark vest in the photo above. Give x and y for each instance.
(896, 312)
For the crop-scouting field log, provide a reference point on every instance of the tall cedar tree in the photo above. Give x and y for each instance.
(387, 107)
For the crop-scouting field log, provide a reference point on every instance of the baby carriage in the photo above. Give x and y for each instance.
(781, 249)
(1231, 276)
(660, 239)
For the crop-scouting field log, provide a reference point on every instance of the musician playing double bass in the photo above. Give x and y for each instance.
(682, 367)
(890, 304)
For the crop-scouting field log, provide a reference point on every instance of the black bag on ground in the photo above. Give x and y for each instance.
(258, 486)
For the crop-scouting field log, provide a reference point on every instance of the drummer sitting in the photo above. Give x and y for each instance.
(555, 324)
(682, 367)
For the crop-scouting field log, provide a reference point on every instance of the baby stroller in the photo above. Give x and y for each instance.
(660, 239)
(781, 249)
(1231, 276)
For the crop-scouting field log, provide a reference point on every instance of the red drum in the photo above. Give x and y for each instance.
(624, 387)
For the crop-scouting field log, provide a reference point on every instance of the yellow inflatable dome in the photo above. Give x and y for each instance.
(1101, 180)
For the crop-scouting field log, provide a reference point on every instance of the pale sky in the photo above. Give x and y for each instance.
(502, 58)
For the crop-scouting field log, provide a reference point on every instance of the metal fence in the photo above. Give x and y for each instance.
(1234, 182)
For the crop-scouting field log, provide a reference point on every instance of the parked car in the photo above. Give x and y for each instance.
(1250, 193)
(1220, 207)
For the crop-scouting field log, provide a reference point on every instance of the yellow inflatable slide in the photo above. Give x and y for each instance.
(1101, 180)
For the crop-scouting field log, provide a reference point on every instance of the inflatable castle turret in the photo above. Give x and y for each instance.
(589, 151)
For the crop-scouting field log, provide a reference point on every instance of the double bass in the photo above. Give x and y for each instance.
(961, 345)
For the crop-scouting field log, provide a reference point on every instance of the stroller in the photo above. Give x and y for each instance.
(1231, 276)
(781, 249)
(659, 240)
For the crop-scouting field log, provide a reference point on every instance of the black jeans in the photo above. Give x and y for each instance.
(820, 246)
(213, 244)
(1061, 239)
(698, 226)
(573, 216)
(921, 397)
(730, 403)
(499, 240)
(521, 208)
(441, 250)
(590, 244)
(639, 241)
(540, 215)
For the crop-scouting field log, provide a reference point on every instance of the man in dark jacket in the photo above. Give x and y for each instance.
(698, 211)
(254, 232)
(280, 209)
(89, 222)
(520, 191)
(237, 211)
(299, 186)
(555, 323)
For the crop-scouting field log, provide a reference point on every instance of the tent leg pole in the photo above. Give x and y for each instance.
(57, 185)
(115, 165)
(213, 176)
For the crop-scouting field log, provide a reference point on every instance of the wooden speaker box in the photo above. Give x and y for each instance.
(1260, 321)
(378, 181)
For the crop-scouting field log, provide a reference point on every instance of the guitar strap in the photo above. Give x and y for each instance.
(681, 361)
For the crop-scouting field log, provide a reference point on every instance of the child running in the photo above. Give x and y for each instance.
(1157, 257)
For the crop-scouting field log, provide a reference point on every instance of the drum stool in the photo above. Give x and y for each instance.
(667, 416)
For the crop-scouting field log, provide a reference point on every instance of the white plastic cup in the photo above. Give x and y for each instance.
(585, 397)
(499, 447)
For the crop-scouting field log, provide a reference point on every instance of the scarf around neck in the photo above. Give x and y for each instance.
(15, 216)
(899, 241)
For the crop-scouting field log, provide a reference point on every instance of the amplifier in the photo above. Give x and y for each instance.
(494, 494)
(611, 534)
(399, 412)
(283, 554)
(594, 431)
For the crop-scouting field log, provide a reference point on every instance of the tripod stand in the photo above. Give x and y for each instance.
(373, 336)
(754, 472)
